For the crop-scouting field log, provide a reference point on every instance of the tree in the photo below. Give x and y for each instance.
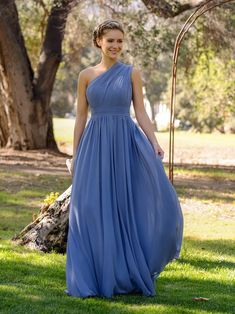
(25, 93)
(170, 9)
(211, 105)
(205, 88)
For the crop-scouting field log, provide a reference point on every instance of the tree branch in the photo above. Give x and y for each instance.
(8, 13)
(51, 52)
(169, 9)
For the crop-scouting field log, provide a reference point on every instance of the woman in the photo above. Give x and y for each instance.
(125, 221)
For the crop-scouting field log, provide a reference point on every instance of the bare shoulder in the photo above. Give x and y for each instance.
(84, 74)
(87, 74)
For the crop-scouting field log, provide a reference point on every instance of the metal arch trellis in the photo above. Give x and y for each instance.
(204, 7)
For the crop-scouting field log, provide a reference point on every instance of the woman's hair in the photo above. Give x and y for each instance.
(101, 29)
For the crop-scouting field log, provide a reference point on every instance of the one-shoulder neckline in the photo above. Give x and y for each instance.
(94, 79)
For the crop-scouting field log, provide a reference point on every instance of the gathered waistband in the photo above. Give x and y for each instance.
(108, 113)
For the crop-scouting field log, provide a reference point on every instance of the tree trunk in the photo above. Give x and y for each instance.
(153, 117)
(4, 129)
(26, 94)
(49, 230)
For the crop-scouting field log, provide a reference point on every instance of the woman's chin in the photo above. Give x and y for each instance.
(113, 56)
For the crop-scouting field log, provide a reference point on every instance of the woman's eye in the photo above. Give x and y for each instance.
(111, 40)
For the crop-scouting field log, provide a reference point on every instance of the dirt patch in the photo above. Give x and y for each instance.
(34, 161)
(203, 182)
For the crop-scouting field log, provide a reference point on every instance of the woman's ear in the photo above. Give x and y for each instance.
(98, 41)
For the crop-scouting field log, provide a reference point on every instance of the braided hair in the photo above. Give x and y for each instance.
(100, 30)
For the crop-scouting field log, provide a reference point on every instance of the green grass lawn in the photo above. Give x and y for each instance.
(64, 133)
(189, 147)
(63, 129)
(34, 282)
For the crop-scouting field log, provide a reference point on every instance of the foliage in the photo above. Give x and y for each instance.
(214, 86)
(33, 18)
(205, 73)
(50, 198)
(206, 92)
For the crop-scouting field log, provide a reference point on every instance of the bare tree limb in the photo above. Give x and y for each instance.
(169, 9)
(9, 9)
(51, 52)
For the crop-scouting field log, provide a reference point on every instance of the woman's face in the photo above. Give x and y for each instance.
(111, 43)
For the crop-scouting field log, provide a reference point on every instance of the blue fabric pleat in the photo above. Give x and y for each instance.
(125, 220)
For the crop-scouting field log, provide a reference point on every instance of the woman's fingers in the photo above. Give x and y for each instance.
(69, 164)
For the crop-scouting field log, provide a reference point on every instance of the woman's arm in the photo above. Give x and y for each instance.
(81, 112)
(140, 112)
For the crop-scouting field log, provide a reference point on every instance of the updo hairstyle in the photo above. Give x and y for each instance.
(105, 26)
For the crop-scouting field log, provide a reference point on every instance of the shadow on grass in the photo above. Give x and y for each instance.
(24, 283)
(33, 183)
(203, 193)
(207, 264)
(219, 247)
(203, 167)
(218, 186)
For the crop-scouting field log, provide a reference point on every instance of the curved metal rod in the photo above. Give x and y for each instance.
(203, 8)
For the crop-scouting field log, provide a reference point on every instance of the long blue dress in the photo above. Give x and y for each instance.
(125, 220)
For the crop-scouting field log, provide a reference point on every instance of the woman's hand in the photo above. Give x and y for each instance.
(70, 165)
(158, 150)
